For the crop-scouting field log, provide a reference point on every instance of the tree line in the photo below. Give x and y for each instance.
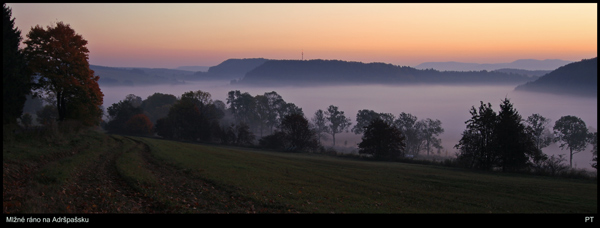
(505, 141)
(491, 140)
(265, 120)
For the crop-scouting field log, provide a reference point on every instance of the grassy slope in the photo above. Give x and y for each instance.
(310, 183)
(95, 172)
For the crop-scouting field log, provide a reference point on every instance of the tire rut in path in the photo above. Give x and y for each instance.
(189, 193)
(101, 189)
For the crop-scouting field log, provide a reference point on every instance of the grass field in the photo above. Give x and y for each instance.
(94, 172)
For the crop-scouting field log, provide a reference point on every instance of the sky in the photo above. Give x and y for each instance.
(160, 35)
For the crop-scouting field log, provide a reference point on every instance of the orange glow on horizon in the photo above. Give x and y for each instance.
(402, 34)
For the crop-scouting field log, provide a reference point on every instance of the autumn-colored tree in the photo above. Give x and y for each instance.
(59, 57)
(139, 125)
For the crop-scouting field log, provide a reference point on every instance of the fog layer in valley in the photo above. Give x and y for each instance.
(449, 104)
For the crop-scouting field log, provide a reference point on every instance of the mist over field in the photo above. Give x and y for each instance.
(449, 104)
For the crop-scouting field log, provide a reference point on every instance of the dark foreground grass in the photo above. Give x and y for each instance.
(92, 172)
(321, 184)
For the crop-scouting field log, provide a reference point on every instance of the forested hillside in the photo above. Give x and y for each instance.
(337, 72)
(260, 71)
(231, 69)
(579, 78)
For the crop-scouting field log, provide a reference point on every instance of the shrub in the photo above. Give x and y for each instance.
(139, 125)
(274, 141)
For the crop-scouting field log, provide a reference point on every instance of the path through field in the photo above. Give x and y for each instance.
(101, 186)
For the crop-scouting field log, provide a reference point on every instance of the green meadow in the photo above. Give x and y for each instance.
(93, 172)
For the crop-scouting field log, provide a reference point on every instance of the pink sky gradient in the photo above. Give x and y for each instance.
(172, 35)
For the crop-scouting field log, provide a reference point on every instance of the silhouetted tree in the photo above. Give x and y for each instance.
(297, 133)
(244, 137)
(118, 114)
(199, 97)
(593, 138)
(337, 121)
(262, 112)
(220, 105)
(276, 141)
(477, 145)
(571, 132)
(430, 129)
(270, 110)
(186, 120)
(382, 140)
(227, 134)
(274, 103)
(537, 124)
(164, 128)
(60, 58)
(287, 108)
(515, 145)
(554, 164)
(242, 106)
(157, 105)
(364, 118)
(194, 117)
(388, 118)
(16, 77)
(134, 100)
(498, 140)
(470, 155)
(320, 125)
(412, 130)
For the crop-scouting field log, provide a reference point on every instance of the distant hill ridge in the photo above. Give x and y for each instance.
(123, 76)
(231, 69)
(192, 68)
(522, 64)
(577, 78)
(334, 72)
(531, 73)
(288, 72)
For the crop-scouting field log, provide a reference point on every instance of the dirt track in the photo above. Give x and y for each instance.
(100, 188)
